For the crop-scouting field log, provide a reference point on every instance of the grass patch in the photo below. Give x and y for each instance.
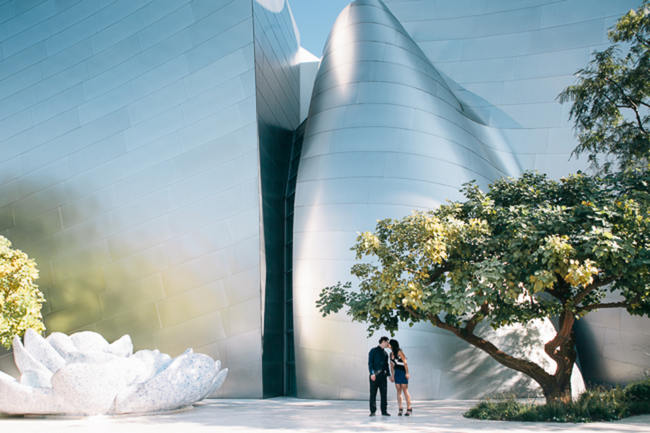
(593, 405)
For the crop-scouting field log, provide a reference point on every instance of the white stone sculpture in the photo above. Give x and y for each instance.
(82, 374)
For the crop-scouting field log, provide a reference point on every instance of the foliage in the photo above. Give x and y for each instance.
(638, 391)
(20, 298)
(594, 405)
(529, 248)
(611, 100)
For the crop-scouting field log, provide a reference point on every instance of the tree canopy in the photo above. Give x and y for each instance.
(611, 100)
(528, 248)
(20, 298)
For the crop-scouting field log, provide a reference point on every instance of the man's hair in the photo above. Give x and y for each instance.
(382, 339)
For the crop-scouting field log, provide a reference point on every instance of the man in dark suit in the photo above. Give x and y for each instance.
(379, 372)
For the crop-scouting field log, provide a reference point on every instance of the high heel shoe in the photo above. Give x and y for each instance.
(409, 411)
(399, 413)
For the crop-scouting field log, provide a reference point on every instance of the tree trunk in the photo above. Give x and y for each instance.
(562, 350)
(558, 390)
(556, 387)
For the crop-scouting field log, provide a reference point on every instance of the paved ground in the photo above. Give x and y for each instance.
(310, 416)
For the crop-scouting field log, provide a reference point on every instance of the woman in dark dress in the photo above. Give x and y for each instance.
(400, 372)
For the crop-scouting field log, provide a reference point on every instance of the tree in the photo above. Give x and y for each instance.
(529, 248)
(611, 101)
(20, 298)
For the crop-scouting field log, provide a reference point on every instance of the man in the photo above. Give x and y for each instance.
(379, 372)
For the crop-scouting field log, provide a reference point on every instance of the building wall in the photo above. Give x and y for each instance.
(277, 78)
(508, 60)
(147, 156)
(129, 170)
(385, 135)
(400, 117)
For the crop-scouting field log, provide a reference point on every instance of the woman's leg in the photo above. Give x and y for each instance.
(398, 388)
(407, 395)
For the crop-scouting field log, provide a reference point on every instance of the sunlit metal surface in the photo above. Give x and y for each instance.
(277, 76)
(385, 135)
(129, 169)
(145, 146)
(507, 60)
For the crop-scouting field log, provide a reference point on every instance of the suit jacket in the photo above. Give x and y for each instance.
(378, 361)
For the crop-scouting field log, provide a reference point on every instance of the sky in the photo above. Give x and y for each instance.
(315, 19)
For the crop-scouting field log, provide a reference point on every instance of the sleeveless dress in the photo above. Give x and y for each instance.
(400, 370)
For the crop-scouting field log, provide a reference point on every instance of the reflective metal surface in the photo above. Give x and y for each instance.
(277, 77)
(388, 133)
(148, 156)
(129, 169)
(507, 60)
(385, 135)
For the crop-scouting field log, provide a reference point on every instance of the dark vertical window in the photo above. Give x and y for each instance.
(292, 175)
(279, 159)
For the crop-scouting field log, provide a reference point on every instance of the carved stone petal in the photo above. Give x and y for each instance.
(154, 360)
(61, 343)
(20, 399)
(25, 361)
(91, 356)
(87, 389)
(219, 379)
(88, 340)
(122, 347)
(185, 381)
(36, 379)
(41, 350)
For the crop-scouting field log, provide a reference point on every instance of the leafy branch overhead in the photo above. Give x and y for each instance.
(20, 298)
(611, 101)
(529, 248)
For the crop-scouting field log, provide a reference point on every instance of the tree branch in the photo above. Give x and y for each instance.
(634, 105)
(476, 318)
(582, 294)
(563, 336)
(591, 307)
(522, 365)
(437, 274)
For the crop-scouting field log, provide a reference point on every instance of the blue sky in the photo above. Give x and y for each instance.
(315, 19)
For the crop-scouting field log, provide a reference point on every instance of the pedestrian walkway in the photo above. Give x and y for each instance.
(310, 416)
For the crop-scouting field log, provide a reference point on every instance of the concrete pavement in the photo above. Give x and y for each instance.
(312, 416)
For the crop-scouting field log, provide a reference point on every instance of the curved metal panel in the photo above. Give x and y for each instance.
(130, 171)
(277, 76)
(508, 60)
(385, 135)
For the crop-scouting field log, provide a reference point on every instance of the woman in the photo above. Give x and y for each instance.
(400, 371)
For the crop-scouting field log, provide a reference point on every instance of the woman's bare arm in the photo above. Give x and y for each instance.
(406, 365)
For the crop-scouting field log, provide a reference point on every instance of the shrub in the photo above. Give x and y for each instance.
(20, 299)
(594, 405)
(638, 391)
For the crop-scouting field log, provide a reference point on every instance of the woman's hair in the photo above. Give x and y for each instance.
(394, 345)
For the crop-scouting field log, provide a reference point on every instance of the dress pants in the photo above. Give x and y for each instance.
(381, 384)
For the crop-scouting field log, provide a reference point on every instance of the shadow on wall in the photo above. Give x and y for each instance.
(479, 109)
(78, 275)
(473, 374)
(612, 353)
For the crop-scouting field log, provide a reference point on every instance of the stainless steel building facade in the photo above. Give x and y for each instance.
(131, 139)
(155, 161)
